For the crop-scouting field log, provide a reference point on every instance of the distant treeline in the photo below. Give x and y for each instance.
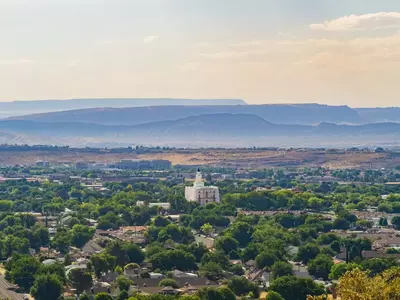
(137, 149)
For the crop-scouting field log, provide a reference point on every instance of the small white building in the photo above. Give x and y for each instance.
(164, 205)
(200, 193)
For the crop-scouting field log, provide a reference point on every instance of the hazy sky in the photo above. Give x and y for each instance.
(263, 51)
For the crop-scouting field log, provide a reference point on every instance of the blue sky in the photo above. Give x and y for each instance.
(263, 51)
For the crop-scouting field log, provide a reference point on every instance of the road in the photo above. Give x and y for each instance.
(5, 293)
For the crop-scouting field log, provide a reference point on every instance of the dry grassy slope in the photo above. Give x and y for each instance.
(229, 158)
(261, 159)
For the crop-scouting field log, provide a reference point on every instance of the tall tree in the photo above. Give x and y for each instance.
(47, 287)
(320, 267)
(80, 280)
(294, 288)
(102, 263)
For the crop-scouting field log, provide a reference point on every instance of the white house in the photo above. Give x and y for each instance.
(200, 193)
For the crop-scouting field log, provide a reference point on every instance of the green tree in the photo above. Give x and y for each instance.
(210, 293)
(265, 259)
(383, 222)
(286, 220)
(211, 270)
(226, 244)
(339, 270)
(47, 287)
(22, 270)
(226, 293)
(396, 222)
(169, 259)
(62, 240)
(53, 269)
(207, 229)
(320, 267)
(281, 268)
(102, 263)
(14, 244)
(5, 205)
(237, 270)
(169, 282)
(125, 252)
(134, 253)
(274, 296)
(84, 297)
(295, 288)
(67, 260)
(123, 283)
(123, 295)
(242, 286)
(160, 221)
(103, 296)
(217, 257)
(377, 265)
(385, 207)
(242, 232)
(365, 224)
(81, 234)
(80, 280)
(308, 252)
(341, 223)
(40, 237)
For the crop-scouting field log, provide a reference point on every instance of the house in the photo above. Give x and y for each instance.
(132, 271)
(49, 261)
(91, 222)
(387, 242)
(69, 268)
(197, 282)
(99, 287)
(134, 229)
(180, 274)
(168, 290)
(190, 290)
(91, 247)
(367, 254)
(156, 275)
(235, 261)
(250, 264)
(109, 277)
(257, 275)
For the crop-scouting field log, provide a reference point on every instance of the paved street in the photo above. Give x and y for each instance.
(7, 294)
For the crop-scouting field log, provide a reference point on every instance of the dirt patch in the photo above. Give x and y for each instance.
(225, 158)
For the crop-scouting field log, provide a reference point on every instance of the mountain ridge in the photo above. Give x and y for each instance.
(23, 107)
(302, 114)
(204, 130)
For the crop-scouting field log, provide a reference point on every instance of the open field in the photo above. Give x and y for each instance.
(226, 158)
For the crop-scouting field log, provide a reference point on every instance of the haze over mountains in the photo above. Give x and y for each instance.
(228, 130)
(294, 125)
(135, 111)
(17, 108)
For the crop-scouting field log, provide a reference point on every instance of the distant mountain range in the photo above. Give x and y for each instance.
(225, 130)
(139, 111)
(17, 108)
(379, 114)
(309, 114)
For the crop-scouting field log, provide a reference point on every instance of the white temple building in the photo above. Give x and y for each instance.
(200, 193)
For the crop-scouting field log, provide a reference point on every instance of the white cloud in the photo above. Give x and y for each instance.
(21, 61)
(361, 22)
(151, 38)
